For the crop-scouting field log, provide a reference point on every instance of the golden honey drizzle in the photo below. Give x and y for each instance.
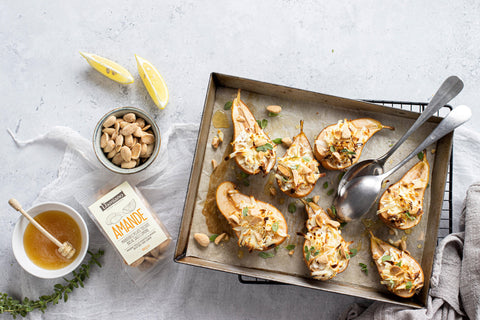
(220, 120)
(216, 222)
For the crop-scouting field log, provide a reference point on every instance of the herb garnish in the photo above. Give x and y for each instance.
(420, 156)
(340, 176)
(277, 141)
(353, 252)
(266, 255)
(409, 216)
(342, 225)
(292, 207)
(311, 252)
(345, 150)
(363, 266)
(275, 226)
(334, 210)
(330, 192)
(408, 285)
(272, 114)
(228, 105)
(386, 258)
(306, 159)
(213, 237)
(245, 211)
(399, 263)
(262, 123)
(16, 307)
(309, 199)
(325, 185)
(332, 149)
(290, 247)
(265, 147)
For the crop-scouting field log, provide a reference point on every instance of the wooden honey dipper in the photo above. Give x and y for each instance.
(65, 249)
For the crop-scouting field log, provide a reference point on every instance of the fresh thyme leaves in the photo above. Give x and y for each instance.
(228, 105)
(342, 225)
(22, 308)
(399, 263)
(277, 141)
(290, 247)
(332, 149)
(420, 156)
(325, 185)
(409, 216)
(262, 123)
(292, 207)
(272, 114)
(311, 252)
(309, 199)
(345, 150)
(245, 211)
(386, 258)
(363, 266)
(266, 255)
(330, 192)
(340, 176)
(408, 285)
(213, 237)
(334, 210)
(275, 226)
(353, 252)
(265, 147)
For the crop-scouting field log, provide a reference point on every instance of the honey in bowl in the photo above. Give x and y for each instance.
(43, 252)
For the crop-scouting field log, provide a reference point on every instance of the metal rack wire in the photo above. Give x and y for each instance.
(446, 218)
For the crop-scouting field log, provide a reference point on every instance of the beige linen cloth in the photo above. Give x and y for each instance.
(455, 283)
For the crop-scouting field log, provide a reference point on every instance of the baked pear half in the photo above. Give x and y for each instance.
(340, 145)
(253, 150)
(401, 205)
(297, 171)
(400, 272)
(325, 251)
(257, 224)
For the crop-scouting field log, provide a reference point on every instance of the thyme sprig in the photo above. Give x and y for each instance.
(61, 291)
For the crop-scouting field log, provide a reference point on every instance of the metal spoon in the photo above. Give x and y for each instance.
(449, 89)
(359, 194)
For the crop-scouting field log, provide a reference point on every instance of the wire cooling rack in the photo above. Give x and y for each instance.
(446, 218)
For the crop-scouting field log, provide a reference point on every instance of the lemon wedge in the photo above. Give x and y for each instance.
(153, 81)
(108, 68)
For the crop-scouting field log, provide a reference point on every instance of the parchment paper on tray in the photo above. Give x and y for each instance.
(317, 111)
(207, 219)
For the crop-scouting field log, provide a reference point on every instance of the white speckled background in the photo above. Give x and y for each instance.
(372, 49)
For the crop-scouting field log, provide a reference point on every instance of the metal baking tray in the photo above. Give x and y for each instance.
(322, 103)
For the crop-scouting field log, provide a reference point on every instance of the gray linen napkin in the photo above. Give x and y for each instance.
(455, 284)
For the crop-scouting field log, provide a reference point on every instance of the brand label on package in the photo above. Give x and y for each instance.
(128, 223)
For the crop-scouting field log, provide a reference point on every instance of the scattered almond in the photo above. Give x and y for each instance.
(214, 164)
(274, 109)
(220, 135)
(316, 198)
(291, 252)
(129, 129)
(433, 151)
(215, 142)
(202, 239)
(219, 238)
(140, 122)
(128, 165)
(273, 191)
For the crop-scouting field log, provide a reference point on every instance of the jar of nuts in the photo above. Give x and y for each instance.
(126, 140)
